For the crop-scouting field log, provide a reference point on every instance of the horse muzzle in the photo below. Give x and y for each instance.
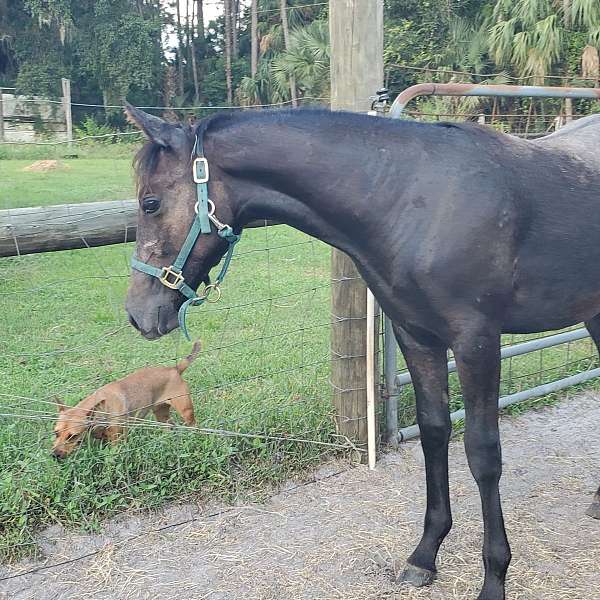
(153, 324)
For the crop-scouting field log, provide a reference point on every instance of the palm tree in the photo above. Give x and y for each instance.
(531, 35)
(306, 61)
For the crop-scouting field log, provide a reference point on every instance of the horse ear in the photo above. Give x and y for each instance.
(154, 128)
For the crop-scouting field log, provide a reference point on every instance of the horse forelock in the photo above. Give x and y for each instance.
(144, 165)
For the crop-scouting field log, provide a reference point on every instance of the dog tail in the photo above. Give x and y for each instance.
(183, 364)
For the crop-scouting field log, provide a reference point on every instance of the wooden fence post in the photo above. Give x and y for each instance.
(66, 90)
(356, 32)
(1, 117)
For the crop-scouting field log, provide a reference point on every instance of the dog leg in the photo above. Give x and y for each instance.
(114, 434)
(162, 413)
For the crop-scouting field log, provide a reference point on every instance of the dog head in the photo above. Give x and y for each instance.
(72, 425)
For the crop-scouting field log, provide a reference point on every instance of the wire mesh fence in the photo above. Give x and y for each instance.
(527, 118)
(260, 386)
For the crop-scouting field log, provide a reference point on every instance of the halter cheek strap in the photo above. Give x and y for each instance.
(172, 276)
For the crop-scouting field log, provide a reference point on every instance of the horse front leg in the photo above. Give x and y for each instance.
(477, 354)
(427, 363)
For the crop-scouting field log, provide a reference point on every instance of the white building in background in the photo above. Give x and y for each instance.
(31, 118)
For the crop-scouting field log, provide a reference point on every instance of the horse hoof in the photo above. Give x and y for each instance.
(594, 510)
(416, 576)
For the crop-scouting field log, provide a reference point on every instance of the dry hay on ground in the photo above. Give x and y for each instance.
(43, 166)
(344, 536)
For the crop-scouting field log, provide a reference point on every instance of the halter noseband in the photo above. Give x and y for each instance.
(172, 276)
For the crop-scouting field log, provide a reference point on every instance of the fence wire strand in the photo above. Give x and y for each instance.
(259, 385)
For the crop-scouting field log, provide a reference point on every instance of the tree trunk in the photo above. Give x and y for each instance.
(254, 39)
(193, 55)
(179, 52)
(187, 23)
(568, 110)
(200, 22)
(105, 102)
(235, 9)
(227, 15)
(286, 39)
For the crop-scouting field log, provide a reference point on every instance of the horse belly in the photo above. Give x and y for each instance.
(554, 297)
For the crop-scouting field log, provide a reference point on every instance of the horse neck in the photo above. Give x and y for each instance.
(326, 178)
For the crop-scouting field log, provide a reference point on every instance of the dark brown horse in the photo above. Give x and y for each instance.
(462, 234)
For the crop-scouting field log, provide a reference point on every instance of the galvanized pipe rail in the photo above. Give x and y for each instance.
(517, 350)
(494, 91)
(409, 433)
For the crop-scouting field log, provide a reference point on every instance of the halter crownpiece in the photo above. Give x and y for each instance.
(172, 276)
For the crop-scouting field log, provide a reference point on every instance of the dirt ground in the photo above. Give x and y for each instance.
(343, 535)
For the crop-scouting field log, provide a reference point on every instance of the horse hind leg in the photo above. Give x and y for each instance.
(593, 326)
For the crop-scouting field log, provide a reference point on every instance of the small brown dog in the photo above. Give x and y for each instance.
(105, 412)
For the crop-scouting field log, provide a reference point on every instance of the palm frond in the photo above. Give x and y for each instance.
(549, 38)
(594, 38)
(586, 13)
(529, 12)
(501, 41)
(522, 44)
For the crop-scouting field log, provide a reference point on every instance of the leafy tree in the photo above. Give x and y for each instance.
(117, 50)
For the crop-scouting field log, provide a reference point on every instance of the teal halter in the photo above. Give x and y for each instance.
(172, 276)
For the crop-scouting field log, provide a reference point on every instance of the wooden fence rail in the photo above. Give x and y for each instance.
(71, 226)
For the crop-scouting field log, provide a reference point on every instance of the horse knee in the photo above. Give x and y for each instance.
(485, 459)
(435, 435)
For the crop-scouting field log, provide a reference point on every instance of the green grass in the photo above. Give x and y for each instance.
(93, 150)
(264, 368)
(81, 180)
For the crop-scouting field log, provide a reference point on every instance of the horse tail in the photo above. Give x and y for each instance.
(183, 364)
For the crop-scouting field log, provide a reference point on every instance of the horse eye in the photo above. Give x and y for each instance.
(150, 204)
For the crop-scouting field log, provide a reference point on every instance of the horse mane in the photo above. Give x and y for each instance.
(144, 164)
(146, 159)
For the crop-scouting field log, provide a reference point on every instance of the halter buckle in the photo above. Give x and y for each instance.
(200, 170)
(174, 283)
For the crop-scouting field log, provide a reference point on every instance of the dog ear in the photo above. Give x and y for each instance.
(60, 405)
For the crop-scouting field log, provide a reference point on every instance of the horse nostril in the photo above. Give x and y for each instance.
(134, 323)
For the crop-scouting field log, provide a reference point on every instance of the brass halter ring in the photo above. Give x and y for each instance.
(211, 214)
(211, 293)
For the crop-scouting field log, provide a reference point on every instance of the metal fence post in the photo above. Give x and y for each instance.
(392, 391)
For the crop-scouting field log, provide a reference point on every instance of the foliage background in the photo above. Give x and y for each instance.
(164, 53)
